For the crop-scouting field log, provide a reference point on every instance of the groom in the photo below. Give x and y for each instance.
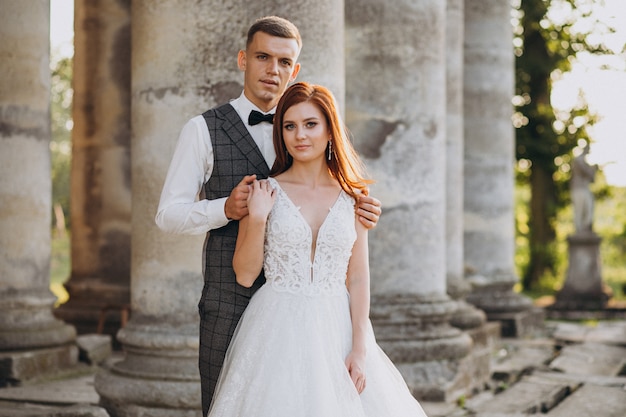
(221, 152)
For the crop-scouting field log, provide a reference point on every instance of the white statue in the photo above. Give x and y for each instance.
(582, 198)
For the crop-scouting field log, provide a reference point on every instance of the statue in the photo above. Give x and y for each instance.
(582, 198)
(583, 288)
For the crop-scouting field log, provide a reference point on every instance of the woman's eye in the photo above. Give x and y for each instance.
(311, 124)
(288, 127)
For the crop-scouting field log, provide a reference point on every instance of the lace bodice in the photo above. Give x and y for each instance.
(288, 240)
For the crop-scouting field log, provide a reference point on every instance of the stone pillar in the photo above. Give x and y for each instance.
(177, 74)
(27, 324)
(466, 315)
(99, 285)
(396, 110)
(489, 161)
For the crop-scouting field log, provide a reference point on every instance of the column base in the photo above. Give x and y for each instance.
(467, 316)
(159, 375)
(415, 333)
(27, 322)
(124, 396)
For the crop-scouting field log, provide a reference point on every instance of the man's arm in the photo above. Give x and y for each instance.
(179, 209)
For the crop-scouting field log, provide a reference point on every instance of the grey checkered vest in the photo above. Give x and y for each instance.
(235, 156)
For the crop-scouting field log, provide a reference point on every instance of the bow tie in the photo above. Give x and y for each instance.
(257, 117)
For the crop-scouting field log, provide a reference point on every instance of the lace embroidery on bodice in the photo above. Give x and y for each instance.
(288, 240)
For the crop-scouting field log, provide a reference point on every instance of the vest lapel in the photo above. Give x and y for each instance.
(236, 130)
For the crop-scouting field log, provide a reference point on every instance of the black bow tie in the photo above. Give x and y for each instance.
(257, 117)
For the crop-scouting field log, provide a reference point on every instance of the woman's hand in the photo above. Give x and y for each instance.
(355, 363)
(369, 210)
(260, 199)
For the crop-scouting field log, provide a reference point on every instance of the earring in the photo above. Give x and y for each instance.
(330, 149)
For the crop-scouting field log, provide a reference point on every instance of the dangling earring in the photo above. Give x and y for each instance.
(330, 149)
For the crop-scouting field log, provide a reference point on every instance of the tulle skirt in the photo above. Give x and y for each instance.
(287, 359)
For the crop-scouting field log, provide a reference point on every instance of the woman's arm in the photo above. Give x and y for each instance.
(358, 283)
(248, 257)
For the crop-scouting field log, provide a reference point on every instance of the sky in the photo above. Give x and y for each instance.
(604, 89)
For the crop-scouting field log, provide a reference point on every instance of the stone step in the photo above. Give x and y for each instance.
(34, 410)
(593, 400)
(609, 333)
(530, 395)
(517, 358)
(591, 359)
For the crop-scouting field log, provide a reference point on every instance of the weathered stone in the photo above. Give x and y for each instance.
(527, 323)
(529, 396)
(399, 122)
(26, 319)
(19, 366)
(28, 410)
(478, 363)
(100, 186)
(610, 333)
(94, 348)
(489, 232)
(591, 359)
(62, 392)
(514, 360)
(593, 400)
(605, 381)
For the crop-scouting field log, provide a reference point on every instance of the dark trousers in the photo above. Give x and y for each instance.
(219, 315)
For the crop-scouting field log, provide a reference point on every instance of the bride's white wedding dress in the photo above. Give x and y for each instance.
(287, 356)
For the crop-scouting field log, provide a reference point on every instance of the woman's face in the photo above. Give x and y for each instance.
(305, 132)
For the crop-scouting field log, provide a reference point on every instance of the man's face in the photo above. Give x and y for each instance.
(269, 65)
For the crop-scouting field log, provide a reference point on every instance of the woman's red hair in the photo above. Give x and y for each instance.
(345, 164)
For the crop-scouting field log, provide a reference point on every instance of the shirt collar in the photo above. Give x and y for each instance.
(243, 106)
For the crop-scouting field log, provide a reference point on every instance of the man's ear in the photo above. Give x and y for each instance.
(241, 60)
(294, 74)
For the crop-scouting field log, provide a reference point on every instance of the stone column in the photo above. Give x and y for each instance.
(396, 110)
(466, 315)
(27, 325)
(184, 56)
(489, 161)
(99, 285)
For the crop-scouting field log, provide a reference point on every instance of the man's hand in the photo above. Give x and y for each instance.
(236, 206)
(368, 210)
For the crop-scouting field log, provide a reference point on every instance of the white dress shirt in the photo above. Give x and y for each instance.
(180, 209)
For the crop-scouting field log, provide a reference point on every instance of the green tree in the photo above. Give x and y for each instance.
(61, 143)
(545, 49)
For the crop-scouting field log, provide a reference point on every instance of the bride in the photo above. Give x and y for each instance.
(304, 346)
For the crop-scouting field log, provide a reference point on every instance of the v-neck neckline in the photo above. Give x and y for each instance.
(309, 228)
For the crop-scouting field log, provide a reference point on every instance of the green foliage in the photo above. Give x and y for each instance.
(609, 224)
(60, 265)
(61, 124)
(545, 48)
